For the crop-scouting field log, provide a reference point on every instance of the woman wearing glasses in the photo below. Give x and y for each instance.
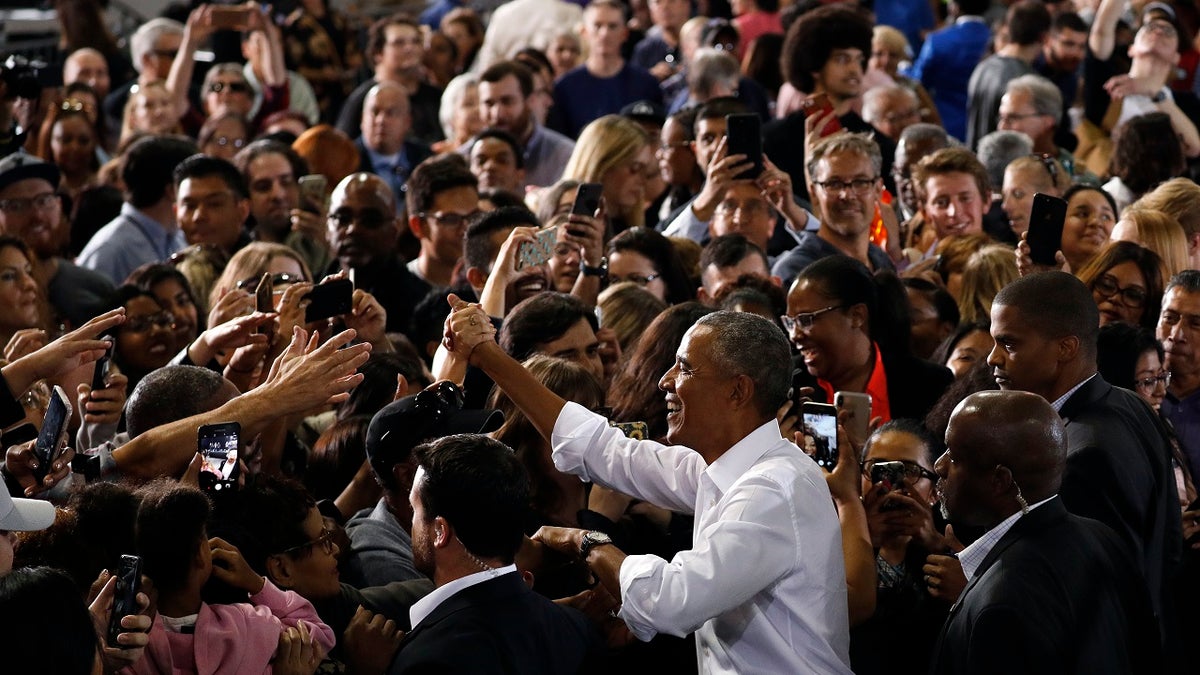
(852, 333)
(1127, 284)
(648, 259)
(146, 340)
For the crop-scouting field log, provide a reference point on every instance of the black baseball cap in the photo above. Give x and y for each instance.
(645, 111)
(20, 166)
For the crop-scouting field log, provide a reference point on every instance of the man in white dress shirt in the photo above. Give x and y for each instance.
(764, 589)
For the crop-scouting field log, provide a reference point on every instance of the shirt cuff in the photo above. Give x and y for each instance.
(686, 224)
(633, 569)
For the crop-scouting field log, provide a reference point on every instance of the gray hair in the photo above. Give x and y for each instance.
(860, 143)
(876, 100)
(710, 67)
(1188, 280)
(998, 149)
(748, 344)
(221, 69)
(452, 95)
(1045, 95)
(143, 40)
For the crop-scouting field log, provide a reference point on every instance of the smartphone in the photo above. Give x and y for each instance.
(638, 431)
(858, 423)
(1046, 220)
(819, 421)
(100, 373)
(817, 105)
(890, 474)
(538, 251)
(330, 299)
(743, 134)
(218, 444)
(129, 582)
(53, 436)
(231, 17)
(313, 195)
(587, 201)
(264, 299)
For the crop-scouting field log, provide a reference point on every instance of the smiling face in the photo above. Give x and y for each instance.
(144, 343)
(954, 204)
(845, 211)
(18, 291)
(1116, 292)
(696, 392)
(73, 145)
(1089, 223)
(178, 301)
(829, 345)
(39, 228)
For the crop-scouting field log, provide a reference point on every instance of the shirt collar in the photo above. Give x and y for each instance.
(1062, 400)
(149, 225)
(968, 18)
(730, 466)
(399, 159)
(972, 556)
(422, 608)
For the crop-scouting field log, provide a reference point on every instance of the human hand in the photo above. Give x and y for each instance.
(944, 577)
(246, 365)
(368, 317)
(311, 225)
(1120, 86)
(845, 482)
(507, 260)
(1025, 264)
(130, 642)
(307, 376)
(25, 342)
(69, 352)
(720, 175)
(370, 641)
(191, 476)
(199, 26)
(776, 186)
(103, 406)
(565, 540)
(816, 123)
(21, 462)
(291, 308)
(297, 653)
(587, 233)
(467, 327)
(230, 567)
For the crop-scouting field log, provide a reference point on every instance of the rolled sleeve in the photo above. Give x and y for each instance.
(686, 224)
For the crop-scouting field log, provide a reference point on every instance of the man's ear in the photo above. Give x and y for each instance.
(279, 571)
(443, 532)
(702, 295)
(476, 277)
(416, 225)
(1068, 348)
(743, 391)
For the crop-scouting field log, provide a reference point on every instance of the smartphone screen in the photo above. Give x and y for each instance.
(129, 582)
(218, 445)
(820, 433)
(330, 299)
(744, 137)
(1046, 220)
(54, 431)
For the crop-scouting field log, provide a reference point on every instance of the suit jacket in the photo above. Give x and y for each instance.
(1119, 472)
(1057, 594)
(498, 626)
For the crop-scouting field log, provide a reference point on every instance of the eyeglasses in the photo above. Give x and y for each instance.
(368, 220)
(913, 472)
(1149, 383)
(74, 105)
(282, 279)
(1048, 162)
(143, 324)
(858, 185)
(449, 218)
(325, 541)
(1133, 297)
(223, 141)
(901, 115)
(634, 278)
(805, 320)
(1160, 26)
(233, 87)
(18, 206)
(668, 147)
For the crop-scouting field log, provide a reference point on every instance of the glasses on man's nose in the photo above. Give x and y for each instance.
(368, 220)
(18, 206)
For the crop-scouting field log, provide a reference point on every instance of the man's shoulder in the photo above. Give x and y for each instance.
(114, 235)
(810, 249)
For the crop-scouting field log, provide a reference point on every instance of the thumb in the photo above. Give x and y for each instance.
(191, 476)
(455, 301)
(952, 541)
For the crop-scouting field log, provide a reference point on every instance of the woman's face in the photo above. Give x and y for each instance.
(1150, 367)
(228, 138)
(564, 54)
(883, 58)
(1089, 223)
(564, 264)
(625, 184)
(1120, 293)
(18, 291)
(73, 144)
(1020, 185)
(970, 350)
(829, 345)
(152, 112)
(313, 568)
(632, 266)
(145, 340)
(467, 121)
(900, 446)
(283, 264)
(177, 300)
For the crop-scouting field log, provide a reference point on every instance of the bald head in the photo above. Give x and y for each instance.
(1013, 429)
(385, 118)
(363, 184)
(88, 66)
(363, 225)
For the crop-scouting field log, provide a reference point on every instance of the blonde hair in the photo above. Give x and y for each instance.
(1162, 234)
(127, 129)
(627, 309)
(1060, 181)
(892, 39)
(987, 271)
(603, 145)
(251, 262)
(1178, 198)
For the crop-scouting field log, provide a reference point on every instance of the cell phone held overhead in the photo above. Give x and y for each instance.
(1046, 219)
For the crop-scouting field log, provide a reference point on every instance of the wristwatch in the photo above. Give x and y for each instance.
(600, 270)
(1160, 95)
(592, 539)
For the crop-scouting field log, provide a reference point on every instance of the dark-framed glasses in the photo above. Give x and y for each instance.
(18, 205)
(233, 87)
(805, 320)
(858, 186)
(1132, 297)
(913, 472)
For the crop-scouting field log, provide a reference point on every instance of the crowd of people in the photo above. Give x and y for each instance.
(493, 337)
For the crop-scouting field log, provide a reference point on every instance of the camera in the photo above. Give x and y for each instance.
(20, 77)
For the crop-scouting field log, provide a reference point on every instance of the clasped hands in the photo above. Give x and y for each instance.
(467, 327)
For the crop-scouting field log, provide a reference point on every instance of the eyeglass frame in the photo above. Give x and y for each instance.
(324, 540)
(910, 468)
(233, 87)
(1149, 383)
(440, 217)
(276, 280)
(46, 199)
(1117, 291)
(152, 321)
(837, 186)
(805, 320)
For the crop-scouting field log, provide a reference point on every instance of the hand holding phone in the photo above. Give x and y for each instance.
(329, 299)
(100, 373)
(313, 194)
(218, 444)
(264, 299)
(818, 105)
(1046, 220)
(231, 17)
(53, 436)
(129, 583)
(743, 134)
(857, 407)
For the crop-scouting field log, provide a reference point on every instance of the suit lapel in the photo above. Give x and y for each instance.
(488, 591)
(1084, 397)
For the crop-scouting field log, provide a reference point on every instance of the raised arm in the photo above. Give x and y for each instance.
(1103, 36)
(195, 33)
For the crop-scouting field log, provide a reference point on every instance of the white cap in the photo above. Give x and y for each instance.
(23, 515)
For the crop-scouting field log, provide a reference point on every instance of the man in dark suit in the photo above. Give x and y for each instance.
(1048, 591)
(468, 501)
(1118, 467)
(384, 147)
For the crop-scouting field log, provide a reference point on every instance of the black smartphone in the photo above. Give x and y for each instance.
(218, 444)
(743, 133)
(53, 435)
(129, 582)
(819, 422)
(587, 200)
(264, 299)
(100, 374)
(1046, 220)
(330, 299)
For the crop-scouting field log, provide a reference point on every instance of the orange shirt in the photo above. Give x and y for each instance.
(877, 387)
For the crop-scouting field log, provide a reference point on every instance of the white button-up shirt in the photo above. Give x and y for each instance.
(764, 588)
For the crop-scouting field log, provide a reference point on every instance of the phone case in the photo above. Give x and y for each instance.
(538, 251)
(129, 582)
(330, 299)
(744, 137)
